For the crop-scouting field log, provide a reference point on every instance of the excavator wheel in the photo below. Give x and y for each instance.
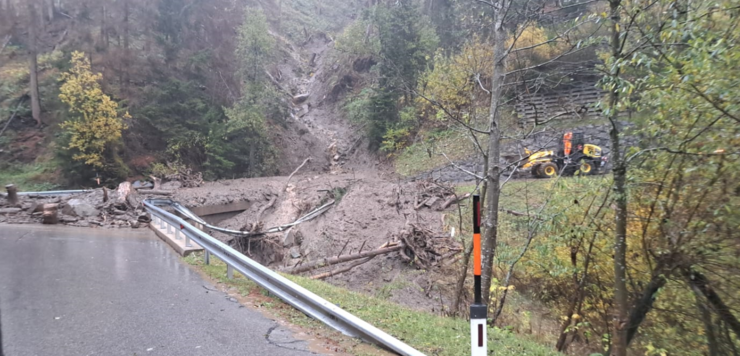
(587, 168)
(549, 170)
(537, 171)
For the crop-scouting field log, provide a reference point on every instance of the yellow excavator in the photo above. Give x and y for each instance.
(573, 156)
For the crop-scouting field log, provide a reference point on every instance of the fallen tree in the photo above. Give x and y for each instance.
(324, 262)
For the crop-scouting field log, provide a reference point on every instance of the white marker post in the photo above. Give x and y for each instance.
(478, 311)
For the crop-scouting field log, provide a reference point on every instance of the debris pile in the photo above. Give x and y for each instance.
(425, 249)
(436, 196)
(186, 177)
(99, 207)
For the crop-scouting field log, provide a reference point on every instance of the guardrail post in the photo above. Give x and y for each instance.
(169, 228)
(207, 258)
(177, 234)
(229, 271)
(161, 223)
(187, 240)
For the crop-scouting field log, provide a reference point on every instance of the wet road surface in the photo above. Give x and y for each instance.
(70, 291)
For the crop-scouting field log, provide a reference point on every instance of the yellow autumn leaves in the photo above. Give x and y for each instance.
(95, 124)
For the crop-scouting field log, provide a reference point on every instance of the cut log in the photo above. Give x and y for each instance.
(336, 260)
(12, 194)
(157, 182)
(50, 215)
(301, 98)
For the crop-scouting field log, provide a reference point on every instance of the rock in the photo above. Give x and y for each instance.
(79, 208)
(142, 185)
(144, 217)
(135, 224)
(431, 201)
(172, 185)
(10, 211)
(68, 219)
(295, 252)
(289, 238)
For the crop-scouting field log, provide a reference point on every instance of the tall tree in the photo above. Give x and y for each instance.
(32, 62)
(96, 124)
(613, 64)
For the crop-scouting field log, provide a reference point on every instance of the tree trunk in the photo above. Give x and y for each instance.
(12, 195)
(700, 282)
(706, 318)
(619, 340)
(103, 30)
(32, 64)
(50, 10)
(126, 49)
(645, 304)
(493, 174)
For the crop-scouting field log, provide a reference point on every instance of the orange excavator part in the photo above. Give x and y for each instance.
(567, 144)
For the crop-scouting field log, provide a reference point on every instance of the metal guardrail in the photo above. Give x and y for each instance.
(293, 294)
(189, 214)
(51, 193)
(56, 192)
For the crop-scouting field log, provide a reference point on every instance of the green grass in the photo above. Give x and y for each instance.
(31, 177)
(427, 154)
(431, 334)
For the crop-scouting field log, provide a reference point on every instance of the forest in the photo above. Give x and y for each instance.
(641, 260)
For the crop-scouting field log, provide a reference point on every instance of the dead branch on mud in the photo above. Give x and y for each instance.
(436, 196)
(425, 249)
(350, 267)
(339, 271)
(294, 172)
(274, 199)
(392, 247)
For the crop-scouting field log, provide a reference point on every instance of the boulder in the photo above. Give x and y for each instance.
(295, 252)
(80, 208)
(142, 185)
(289, 238)
(10, 210)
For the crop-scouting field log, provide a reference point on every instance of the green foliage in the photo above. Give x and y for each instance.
(255, 45)
(398, 135)
(353, 41)
(96, 126)
(403, 41)
(34, 177)
(172, 18)
(407, 40)
(199, 134)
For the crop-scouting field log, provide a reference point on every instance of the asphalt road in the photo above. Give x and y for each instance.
(69, 291)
